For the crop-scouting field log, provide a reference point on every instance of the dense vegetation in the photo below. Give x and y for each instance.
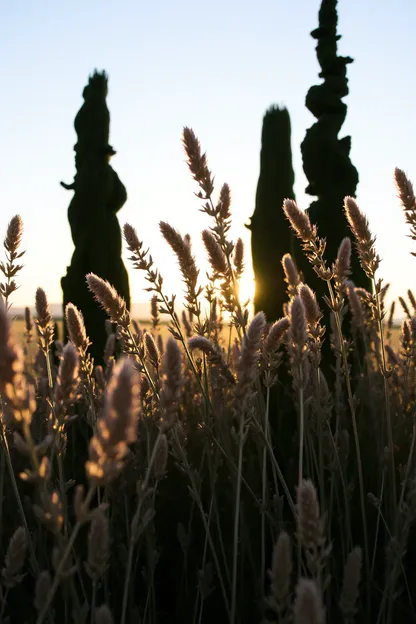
(156, 488)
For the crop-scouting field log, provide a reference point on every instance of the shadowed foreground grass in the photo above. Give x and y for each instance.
(205, 477)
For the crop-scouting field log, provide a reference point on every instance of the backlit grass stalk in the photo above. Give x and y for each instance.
(135, 521)
(236, 533)
(170, 398)
(194, 491)
(17, 398)
(117, 311)
(264, 483)
(44, 323)
(197, 163)
(246, 375)
(10, 269)
(144, 263)
(297, 346)
(78, 336)
(69, 547)
(22, 514)
(370, 262)
(314, 249)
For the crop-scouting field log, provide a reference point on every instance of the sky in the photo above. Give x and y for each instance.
(215, 67)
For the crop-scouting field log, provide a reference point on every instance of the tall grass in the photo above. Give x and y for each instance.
(195, 478)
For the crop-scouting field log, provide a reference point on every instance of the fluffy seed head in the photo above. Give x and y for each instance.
(216, 255)
(98, 546)
(11, 356)
(42, 308)
(365, 243)
(172, 380)
(281, 570)
(406, 333)
(67, 380)
(103, 615)
(249, 356)
(298, 220)
(308, 607)
(239, 256)
(276, 333)
(225, 202)
(297, 318)
(202, 344)
(19, 394)
(151, 349)
(405, 189)
(310, 529)
(154, 311)
(197, 161)
(291, 272)
(350, 584)
(183, 253)
(108, 298)
(28, 320)
(312, 312)
(14, 235)
(76, 327)
(15, 558)
(131, 237)
(343, 261)
(357, 220)
(44, 321)
(117, 428)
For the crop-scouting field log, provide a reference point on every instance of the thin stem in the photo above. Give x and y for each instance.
(356, 437)
(2, 475)
(237, 520)
(93, 600)
(143, 364)
(196, 497)
(386, 398)
(300, 460)
(68, 549)
(133, 537)
(263, 496)
(19, 502)
(301, 431)
(3, 604)
(277, 469)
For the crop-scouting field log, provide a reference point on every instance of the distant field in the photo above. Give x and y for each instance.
(19, 329)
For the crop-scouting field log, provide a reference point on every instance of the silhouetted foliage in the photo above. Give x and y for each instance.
(99, 195)
(326, 158)
(271, 236)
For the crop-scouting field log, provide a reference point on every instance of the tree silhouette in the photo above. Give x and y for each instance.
(92, 213)
(271, 237)
(326, 158)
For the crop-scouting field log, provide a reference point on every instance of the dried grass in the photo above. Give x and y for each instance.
(185, 452)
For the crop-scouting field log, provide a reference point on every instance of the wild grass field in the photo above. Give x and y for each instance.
(193, 478)
(19, 328)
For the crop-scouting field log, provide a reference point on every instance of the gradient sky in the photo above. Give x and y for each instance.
(213, 66)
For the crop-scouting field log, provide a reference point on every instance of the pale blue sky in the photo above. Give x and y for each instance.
(216, 67)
